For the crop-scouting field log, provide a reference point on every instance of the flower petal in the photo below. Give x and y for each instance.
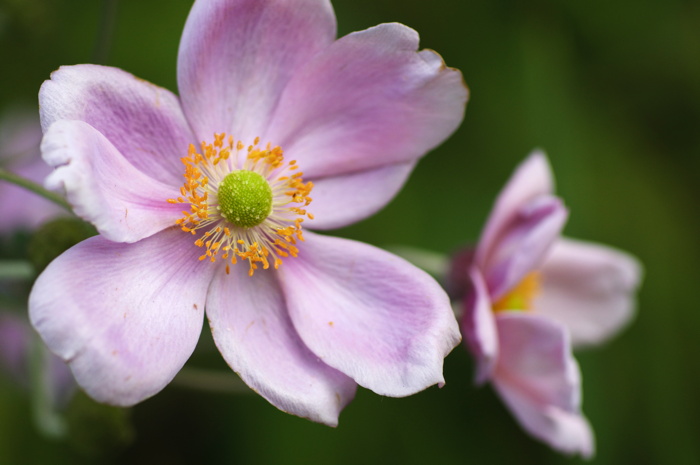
(124, 316)
(103, 187)
(236, 57)
(253, 332)
(15, 342)
(143, 121)
(343, 200)
(479, 327)
(369, 314)
(368, 100)
(538, 378)
(589, 288)
(523, 245)
(531, 179)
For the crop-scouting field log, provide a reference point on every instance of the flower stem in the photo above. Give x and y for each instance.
(48, 421)
(210, 381)
(16, 269)
(34, 187)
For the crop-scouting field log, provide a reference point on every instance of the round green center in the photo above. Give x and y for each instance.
(245, 198)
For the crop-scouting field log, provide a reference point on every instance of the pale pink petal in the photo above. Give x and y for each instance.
(368, 100)
(523, 246)
(123, 203)
(369, 314)
(143, 121)
(125, 317)
(589, 288)
(343, 200)
(236, 57)
(479, 327)
(538, 378)
(531, 179)
(253, 332)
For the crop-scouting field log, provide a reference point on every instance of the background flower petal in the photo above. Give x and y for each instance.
(252, 329)
(368, 100)
(523, 245)
(236, 57)
(479, 327)
(125, 317)
(538, 378)
(143, 121)
(123, 203)
(343, 200)
(589, 288)
(531, 179)
(369, 314)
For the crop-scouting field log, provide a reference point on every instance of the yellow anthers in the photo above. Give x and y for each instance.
(258, 215)
(520, 298)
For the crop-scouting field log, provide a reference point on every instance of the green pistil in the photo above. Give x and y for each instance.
(245, 198)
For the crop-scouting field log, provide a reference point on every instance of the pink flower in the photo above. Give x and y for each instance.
(267, 88)
(15, 360)
(531, 295)
(20, 135)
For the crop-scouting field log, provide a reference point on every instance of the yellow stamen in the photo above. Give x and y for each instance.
(521, 296)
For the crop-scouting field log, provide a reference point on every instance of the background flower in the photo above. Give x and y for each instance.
(528, 295)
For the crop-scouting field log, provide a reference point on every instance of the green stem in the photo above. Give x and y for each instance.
(16, 269)
(34, 187)
(47, 420)
(211, 381)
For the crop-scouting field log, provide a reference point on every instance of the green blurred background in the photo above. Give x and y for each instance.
(610, 90)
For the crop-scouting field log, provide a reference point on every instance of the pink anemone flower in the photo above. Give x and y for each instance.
(199, 201)
(529, 296)
(20, 135)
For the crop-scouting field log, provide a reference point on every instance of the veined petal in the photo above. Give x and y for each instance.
(143, 121)
(479, 327)
(125, 317)
(538, 378)
(589, 288)
(123, 203)
(368, 100)
(369, 314)
(253, 332)
(531, 179)
(523, 245)
(343, 200)
(237, 56)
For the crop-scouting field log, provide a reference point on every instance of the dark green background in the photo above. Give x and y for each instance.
(611, 90)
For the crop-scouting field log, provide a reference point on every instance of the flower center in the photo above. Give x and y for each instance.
(245, 198)
(244, 202)
(521, 296)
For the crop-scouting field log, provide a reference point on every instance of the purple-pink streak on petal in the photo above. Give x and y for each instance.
(369, 314)
(125, 317)
(368, 100)
(123, 203)
(236, 57)
(523, 244)
(589, 288)
(538, 378)
(252, 329)
(143, 121)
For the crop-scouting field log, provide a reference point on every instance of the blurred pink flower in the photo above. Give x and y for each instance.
(125, 308)
(529, 295)
(15, 359)
(20, 135)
